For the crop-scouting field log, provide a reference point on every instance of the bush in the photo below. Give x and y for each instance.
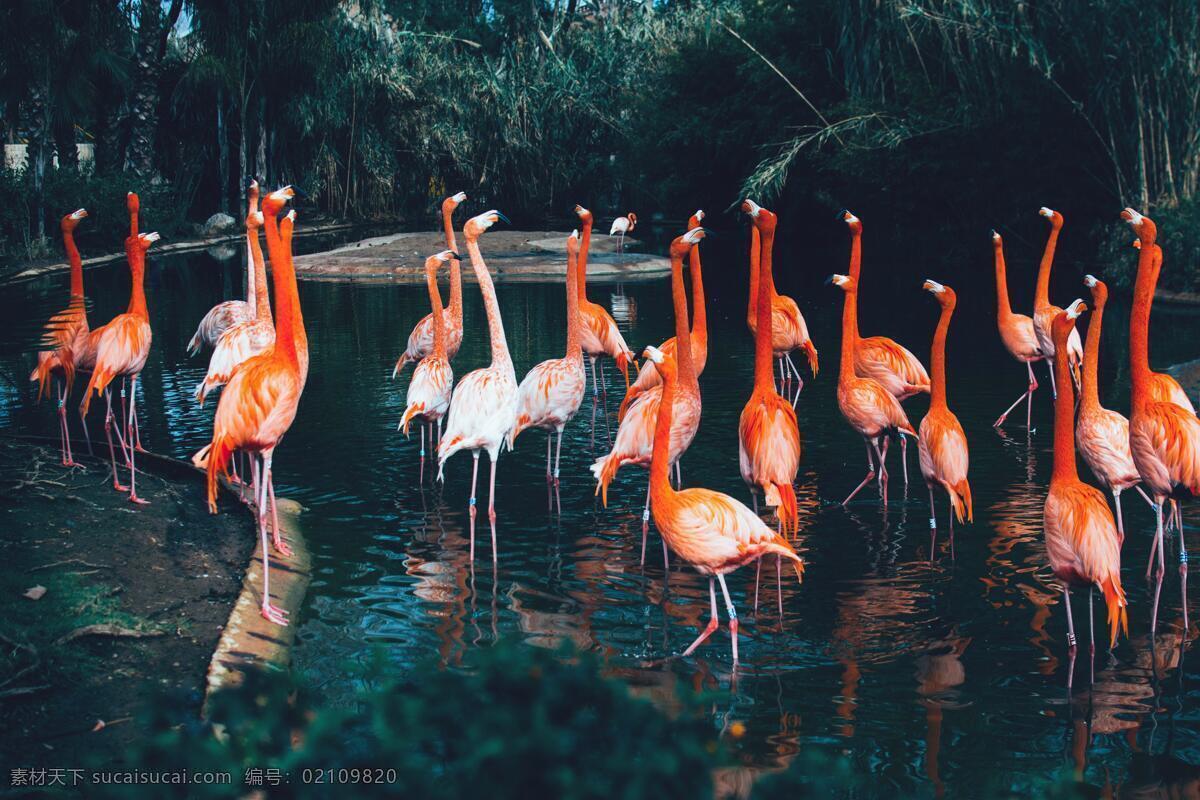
(1179, 237)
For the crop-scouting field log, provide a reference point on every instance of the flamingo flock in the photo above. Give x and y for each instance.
(260, 365)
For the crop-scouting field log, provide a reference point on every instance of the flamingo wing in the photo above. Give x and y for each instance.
(483, 409)
(237, 344)
(1165, 443)
(219, 318)
(892, 365)
(550, 394)
(1165, 389)
(1020, 338)
(716, 533)
(1102, 437)
(429, 391)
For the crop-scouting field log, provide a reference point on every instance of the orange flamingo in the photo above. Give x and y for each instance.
(1017, 333)
(122, 347)
(634, 443)
(942, 444)
(433, 380)
(648, 377)
(420, 341)
(600, 334)
(67, 335)
(1163, 387)
(484, 406)
(1044, 313)
(1102, 435)
(871, 409)
(1082, 542)
(789, 331)
(552, 392)
(1163, 438)
(768, 434)
(709, 530)
(242, 340)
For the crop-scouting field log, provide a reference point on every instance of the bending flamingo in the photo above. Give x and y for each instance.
(648, 377)
(258, 405)
(941, 441)
(67, 333)
(622, 226)
(789, 331)
(552, 392)
(600, 334)
(1082, 542)
(225, 315)
(484, 407)
(1163, 438)
(420, 341)
(1017, 333)
(433, 379)
(871, 409)
(1044, 313)
(709, 530)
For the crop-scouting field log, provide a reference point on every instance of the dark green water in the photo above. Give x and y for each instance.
(932, 674)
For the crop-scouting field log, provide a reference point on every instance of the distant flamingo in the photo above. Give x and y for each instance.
(600, 334)
(433, 379)
(768, 435)
(552, 392)
(871, 409)
(225, 315)
(67, 334)
(649, 377)
(1163, 387)
(1082, 542)
(789, 331)
(709, 530)
(1102, 435)
(420, 341)
(622, 226)
(258, 405)
(941, 441)
(484, 407)
(1044, 313)
(122, 347)
(634, 442)
(242, 340)
(1163, 438)
(1017, 333)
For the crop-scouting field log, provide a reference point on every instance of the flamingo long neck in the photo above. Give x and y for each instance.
(1064, 419)
(699, 310)
(1041, 297)
(755, 248)
(435, 301)
(937, 359)
(262, 300)
(660, 484)
(1003, 306)
(764, 375)
(849, 327)
(137, 270)
(1090, 393)
(75, 261)
(855, 268)
(584, 244)
(500, 354)
(574, 345)
(287, 300)
(455, 267)
(683, 337)
(1139, 325)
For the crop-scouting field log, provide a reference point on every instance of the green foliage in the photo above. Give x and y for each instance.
(1177, 236)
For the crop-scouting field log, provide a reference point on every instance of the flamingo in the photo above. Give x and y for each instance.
(258, 405)
(1163, 387)
(709, 530)
(484, 407)
(622, 226)
(941, 442)
(648, 377)
(768, 434)
(1082, 543)
(552, 392)
(122, 347)
(867, 405)
(67, 333)
(634, 443)
(420, 341)
(789, 331)
(1163, 438)
(600, 335)
(1102, 435)
(1017, 333)
(1044, 313)
(225, 315)
(242, 340)
(433, 379)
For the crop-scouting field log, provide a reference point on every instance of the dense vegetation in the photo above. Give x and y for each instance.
(976, 111)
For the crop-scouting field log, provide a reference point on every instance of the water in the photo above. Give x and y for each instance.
(932, 674)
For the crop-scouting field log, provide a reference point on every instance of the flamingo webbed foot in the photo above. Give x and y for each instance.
(275, 614)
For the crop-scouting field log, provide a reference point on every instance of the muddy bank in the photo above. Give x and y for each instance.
(134, 602)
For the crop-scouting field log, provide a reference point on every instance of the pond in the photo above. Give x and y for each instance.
(933, 673)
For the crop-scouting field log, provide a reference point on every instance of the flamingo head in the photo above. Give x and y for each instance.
(1056, 219)
(997, 241)
(452, 202)
(445, 255)
(478, 224)
(852, 222)
(74, 218)
(573, 243)
(632, 217)
(1064, 323)
(683, 244)
(1099, 290)
(846, 283)
(254, 220)
(252, 192)
(942, 293)
(274, 202)
(584, 215)
(760, 217)
(1137, 244)
(695, 219)
(144, 240)
(750, 207)
(665, 366)
(132, 203)
(1143, 226)
(432, 263)
(286, 226)
(1076, 308)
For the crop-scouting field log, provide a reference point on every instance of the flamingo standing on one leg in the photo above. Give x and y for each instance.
(709, 530)
(1163, 438)
(871, 409)
(1082, 542)
(225, 315)
(942, 444)
(67, 333)
(1017, 333)
(1044, 313)
(789, 331)
(258, 405)
(648, 377)
(433, 379)
(122, 347)
(552, 392)
(420, 341)
(634, 442)
(600, 334)
(622, 226)
(484, 407)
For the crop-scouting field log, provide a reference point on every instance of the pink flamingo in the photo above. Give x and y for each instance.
(225, 315)
(1044, 313)
(1163, 387)
(600, 334)
(1017, 333)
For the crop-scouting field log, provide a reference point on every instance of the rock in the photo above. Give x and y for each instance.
(219, 225)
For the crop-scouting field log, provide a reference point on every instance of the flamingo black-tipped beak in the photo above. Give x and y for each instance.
(300, 193)
(503, 218)
(829, 280)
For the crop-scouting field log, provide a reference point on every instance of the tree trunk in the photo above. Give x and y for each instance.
(222, 153)
(39, 150)
(260, 157)
(139, 155)
(64, 144)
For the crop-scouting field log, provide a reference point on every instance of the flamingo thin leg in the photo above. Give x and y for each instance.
(269, 611)
(108, 426)
(712, 621)
(733, 618)
(133, 496)
(471, 506)
(492, 505)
